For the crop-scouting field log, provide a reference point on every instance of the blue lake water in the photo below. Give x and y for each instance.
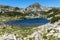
(28, 22)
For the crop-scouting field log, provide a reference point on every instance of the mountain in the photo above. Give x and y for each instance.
(33, 10)
(37, 6)
(34, 7)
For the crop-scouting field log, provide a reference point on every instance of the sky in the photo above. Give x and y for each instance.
(26, 3)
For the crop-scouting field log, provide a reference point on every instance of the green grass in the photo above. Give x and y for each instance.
(21, 31)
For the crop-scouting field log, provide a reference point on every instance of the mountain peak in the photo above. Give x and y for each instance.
(37, 5)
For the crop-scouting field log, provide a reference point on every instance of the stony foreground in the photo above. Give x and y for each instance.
(44, 32)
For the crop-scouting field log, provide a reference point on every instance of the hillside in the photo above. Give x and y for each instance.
(53, 14)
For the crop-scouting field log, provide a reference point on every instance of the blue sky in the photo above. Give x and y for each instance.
(25, 3)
